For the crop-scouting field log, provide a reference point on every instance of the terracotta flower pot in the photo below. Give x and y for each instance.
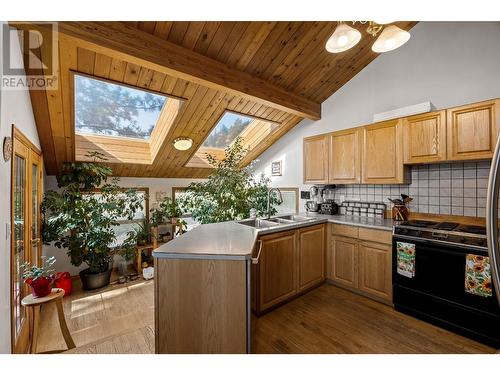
(40, 287)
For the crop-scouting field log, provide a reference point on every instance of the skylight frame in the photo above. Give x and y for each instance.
(200, 155)
(74, 74)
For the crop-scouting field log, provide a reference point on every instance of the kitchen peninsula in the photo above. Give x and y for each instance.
(206, 284)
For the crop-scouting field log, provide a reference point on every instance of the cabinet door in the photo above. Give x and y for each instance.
(383, 153)
(277, 269)
(316, 159)
(342, 257)
(345, 155)
(473, 130)
(375, 269)
(425, 138)
(311, 256)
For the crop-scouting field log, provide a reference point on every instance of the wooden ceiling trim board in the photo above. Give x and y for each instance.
(250, 42)
(218, 42)
(255, 44)
(232, 41)
(68, 60)
(178, 31)
(169, 84)
(287, 45)
(157, 81)
(117, 71)
(41, 113)
(206, 36)
(131, 74)
(147, 26)
(274, 72)
(292, 67)
(168, 115)
(273, 39)
(86, 60)
(167, 149)
(180, 158)
(192, 34)
(123, 151)
(145, 77)
(102, 65)
(187, 126)
(162, 29)
(118, 39)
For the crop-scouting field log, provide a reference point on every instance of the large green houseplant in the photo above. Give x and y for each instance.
(82, 214)
(230, 191)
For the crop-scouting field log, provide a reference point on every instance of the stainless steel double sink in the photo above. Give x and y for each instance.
(275, 221)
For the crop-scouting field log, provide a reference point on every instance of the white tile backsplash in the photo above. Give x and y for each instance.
(457, 189)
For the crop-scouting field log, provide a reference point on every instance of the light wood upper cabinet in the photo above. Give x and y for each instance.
(425, 138)
(345, 157)
(342, 259)
(277, 268)
(315, 159)
(311, 256)
(375, 269)
(473, 130)
(383, 153)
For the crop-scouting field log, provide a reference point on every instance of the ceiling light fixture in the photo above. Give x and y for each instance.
(345, 37)
(182, 143)
(390, 38)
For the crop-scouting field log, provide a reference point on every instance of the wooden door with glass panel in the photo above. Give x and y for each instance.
(25, 235)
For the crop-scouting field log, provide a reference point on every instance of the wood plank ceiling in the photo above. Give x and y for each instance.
(289, 55)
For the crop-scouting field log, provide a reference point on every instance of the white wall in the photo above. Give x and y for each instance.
(447, 63)
(15, 108)
(155, 185)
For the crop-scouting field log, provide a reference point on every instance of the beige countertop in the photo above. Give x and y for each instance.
(232, 240)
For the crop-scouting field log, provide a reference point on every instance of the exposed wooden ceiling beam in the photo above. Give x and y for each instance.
(120, 40)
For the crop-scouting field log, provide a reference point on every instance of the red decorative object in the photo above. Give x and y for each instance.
(40, 287)
(63, 281)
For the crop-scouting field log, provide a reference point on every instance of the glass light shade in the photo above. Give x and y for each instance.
(390, 38)
(183, 143)
(343, 38)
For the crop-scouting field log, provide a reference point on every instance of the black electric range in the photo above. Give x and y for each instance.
(433, 273)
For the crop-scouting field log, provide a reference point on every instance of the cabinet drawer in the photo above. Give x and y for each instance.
(344, 230)
(375, 235)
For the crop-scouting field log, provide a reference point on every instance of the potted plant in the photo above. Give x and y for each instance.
(80, 217)
(167, 211)
(40, 279)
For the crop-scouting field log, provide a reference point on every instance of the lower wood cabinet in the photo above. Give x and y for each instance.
(362, 262)
(375, 269)
(311, 256)
(342, 261)
(277, 266)
(290, 262)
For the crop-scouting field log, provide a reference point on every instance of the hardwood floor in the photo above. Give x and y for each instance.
(120, 319)
(332, 320)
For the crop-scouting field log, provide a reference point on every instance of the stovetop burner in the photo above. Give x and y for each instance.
(420, 223)
(445, 225)
(475, 229)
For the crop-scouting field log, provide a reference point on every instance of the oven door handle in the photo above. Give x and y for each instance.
(492, 219)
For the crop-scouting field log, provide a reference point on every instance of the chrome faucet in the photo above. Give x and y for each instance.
(280, 197)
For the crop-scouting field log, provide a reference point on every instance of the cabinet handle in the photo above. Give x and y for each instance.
(256, 259)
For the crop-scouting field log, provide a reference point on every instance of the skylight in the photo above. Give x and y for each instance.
(109, 109)
(227, 129)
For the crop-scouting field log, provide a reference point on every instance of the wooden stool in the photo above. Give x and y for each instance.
(34, 304)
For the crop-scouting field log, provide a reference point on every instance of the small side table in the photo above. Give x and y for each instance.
(34, 304)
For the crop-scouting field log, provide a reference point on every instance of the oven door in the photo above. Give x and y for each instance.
(440, 272)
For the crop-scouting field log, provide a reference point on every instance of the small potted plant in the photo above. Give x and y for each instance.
(40, 279)
(167, 211)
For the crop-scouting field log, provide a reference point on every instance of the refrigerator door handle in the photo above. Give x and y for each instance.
(492, 219)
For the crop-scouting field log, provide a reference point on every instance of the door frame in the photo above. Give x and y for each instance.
(18, 136)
